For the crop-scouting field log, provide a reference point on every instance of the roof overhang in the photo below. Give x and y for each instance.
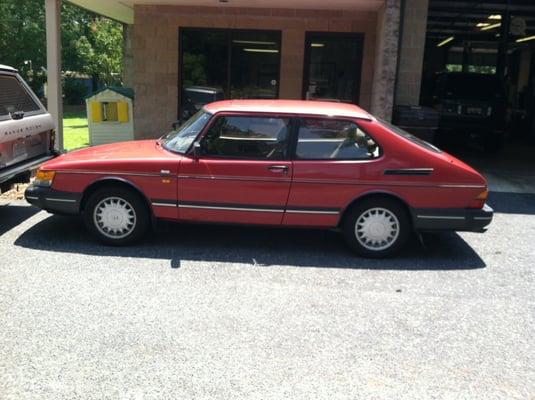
(123, 10)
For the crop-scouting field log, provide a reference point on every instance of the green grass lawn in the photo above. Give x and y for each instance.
(75, 132)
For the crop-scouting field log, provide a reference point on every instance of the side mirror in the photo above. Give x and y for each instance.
(196, 150)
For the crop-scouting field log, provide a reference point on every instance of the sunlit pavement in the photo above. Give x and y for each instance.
(214, 312)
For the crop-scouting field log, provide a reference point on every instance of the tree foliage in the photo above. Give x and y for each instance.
(91, 44)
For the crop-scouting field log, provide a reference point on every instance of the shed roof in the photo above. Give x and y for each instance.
(127, 92)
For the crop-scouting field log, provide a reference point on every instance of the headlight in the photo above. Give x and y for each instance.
(44, 178)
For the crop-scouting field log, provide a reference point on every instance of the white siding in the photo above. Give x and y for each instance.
(110, 132)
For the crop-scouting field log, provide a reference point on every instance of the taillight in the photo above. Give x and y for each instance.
(480, 199)
(52, 144)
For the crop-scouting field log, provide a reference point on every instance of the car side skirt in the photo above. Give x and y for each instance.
(54, 201)
(440, 219)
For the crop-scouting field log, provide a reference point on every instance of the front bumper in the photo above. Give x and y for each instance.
(449, 219)
(53, 201)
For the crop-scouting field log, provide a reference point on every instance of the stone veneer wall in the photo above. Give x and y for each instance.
(128, 56)
(411, 55)
(386, 60)
(156, 51)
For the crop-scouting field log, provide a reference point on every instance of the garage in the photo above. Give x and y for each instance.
(478, 73)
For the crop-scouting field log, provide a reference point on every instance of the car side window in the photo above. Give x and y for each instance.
(330, 139)
(261, 138)
(14, 97)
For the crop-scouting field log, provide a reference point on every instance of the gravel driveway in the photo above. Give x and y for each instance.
(213, 312)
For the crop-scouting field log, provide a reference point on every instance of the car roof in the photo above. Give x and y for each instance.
(310, 107)
(7, 68)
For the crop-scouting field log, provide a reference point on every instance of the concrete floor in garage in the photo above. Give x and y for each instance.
(512, 170)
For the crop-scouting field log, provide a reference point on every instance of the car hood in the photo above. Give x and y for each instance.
(122, 155)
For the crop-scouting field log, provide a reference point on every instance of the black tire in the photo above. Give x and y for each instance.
(391, 210)
(136, 206)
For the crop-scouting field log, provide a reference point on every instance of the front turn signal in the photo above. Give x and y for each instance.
(44, 178)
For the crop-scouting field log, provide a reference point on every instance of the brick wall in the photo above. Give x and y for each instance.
(411, 53)
(128, 56)
(156, 51)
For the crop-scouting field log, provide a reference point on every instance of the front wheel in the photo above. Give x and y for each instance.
(116, 216)
(376, 227)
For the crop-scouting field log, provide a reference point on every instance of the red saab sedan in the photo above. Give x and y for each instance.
(270, 162)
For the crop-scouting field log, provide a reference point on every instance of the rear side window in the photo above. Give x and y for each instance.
(260, 138)
(398, 131)
(329, 139)
(14, 97)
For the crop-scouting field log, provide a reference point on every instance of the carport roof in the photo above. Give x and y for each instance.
(123, 10)
(460, 18)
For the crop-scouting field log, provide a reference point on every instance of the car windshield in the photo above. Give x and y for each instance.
(398, 131)
(180, 140)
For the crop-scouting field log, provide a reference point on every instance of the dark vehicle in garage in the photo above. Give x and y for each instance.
(472, 107)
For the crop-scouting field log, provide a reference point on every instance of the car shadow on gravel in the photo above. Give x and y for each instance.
(12, 215)
(262, 247)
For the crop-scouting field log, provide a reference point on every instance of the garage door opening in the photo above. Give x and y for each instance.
(479, 74)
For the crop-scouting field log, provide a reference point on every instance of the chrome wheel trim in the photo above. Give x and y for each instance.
(377, 229)
(114, 217)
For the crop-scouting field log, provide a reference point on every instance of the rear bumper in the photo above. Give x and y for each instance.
(23, 169)
(448, 219)
(53, 201)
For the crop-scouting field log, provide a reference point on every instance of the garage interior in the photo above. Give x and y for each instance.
(494, 37)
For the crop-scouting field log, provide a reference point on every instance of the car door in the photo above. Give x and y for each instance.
(332, 162)
(241, 173)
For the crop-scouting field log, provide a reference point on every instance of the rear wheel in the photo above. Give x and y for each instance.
(116, 216)
(376, 227)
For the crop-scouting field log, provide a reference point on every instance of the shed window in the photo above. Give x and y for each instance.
(109, 112)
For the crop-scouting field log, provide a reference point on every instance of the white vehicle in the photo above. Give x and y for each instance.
(27, 133)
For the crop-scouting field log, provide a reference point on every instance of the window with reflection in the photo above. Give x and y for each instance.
(330, 139)
(262, 138)
(219, 64)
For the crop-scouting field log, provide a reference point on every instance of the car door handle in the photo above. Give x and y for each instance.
(278, 168)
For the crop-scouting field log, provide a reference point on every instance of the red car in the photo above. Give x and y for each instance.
(270, 162)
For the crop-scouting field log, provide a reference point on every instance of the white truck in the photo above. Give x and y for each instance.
(27, 135)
